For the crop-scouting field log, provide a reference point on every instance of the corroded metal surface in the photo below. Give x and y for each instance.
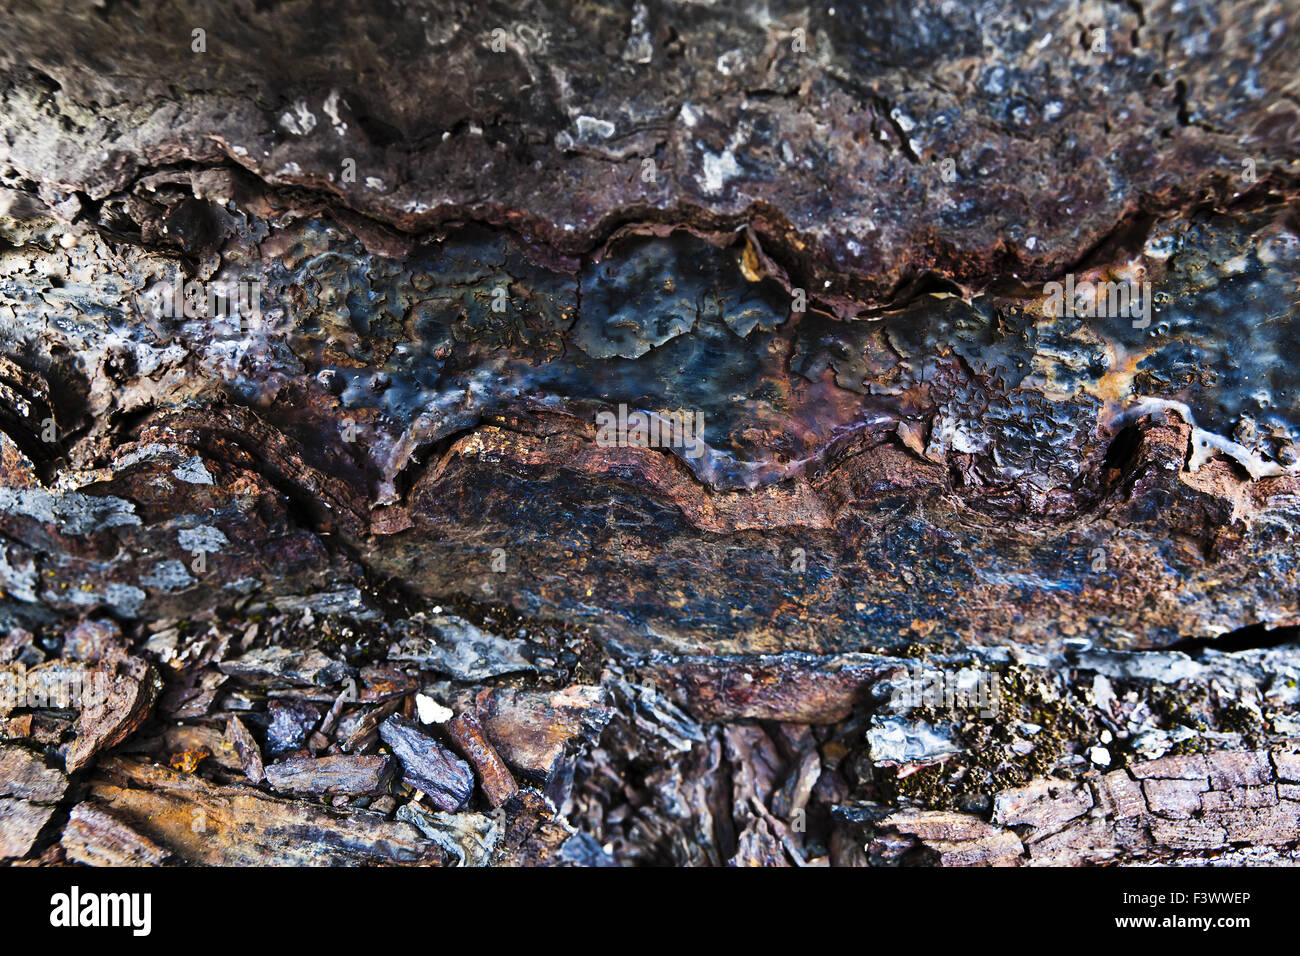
(587, 433)
(824, 125)
(1073, 476)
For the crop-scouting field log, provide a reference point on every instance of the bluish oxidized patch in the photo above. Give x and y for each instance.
(473, 326)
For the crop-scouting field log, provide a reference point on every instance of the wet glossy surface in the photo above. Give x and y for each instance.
(667, 324)
(988, 524)
(472, 328)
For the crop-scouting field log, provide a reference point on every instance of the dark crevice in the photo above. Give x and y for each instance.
(1123, 448)
(1180, 100)
(1252, 637)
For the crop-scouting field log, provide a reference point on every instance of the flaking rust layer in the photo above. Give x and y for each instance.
(314, 321)
(974, 468)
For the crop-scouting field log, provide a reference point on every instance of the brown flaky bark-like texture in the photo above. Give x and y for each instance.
(649, 433)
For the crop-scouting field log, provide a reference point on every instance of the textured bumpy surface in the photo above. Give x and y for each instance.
(312, 320)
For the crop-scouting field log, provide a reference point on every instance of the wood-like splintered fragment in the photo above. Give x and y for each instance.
(250, 755)
(428, 766)
(97, 837)
(533, 730)
(295, 666)
(133, 687)
(23, 774)
(336, 775)
(20, 824)
(205, 823)
(367, 728)
(494, 776)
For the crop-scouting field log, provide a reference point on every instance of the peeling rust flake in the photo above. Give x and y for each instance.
(650, 433)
